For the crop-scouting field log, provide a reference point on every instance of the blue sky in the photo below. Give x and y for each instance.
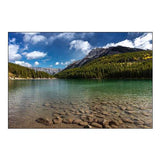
(59, 49)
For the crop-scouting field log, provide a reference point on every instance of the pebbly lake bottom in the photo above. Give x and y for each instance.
(58, 103)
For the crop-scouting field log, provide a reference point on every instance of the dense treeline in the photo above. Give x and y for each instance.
(24, 72)
(124, 65)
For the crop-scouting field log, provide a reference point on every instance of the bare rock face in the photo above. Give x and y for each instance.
(50, 71)
(43, 121)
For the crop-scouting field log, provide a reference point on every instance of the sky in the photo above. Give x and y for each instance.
(59, 49)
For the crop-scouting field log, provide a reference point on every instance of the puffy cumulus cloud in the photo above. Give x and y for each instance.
(12, 40)
(142, 42)
(33, 38)
(27, 36)
(22, 63)
(34, 55)
(80, 45)
(13, 55)
(36, 63)
(57, 63)
(37, 38)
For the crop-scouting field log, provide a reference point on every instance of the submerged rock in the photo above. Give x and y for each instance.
(77, 121)
(112, 123)
(94, 124)
(47, 104)
(57, 120)
(67, 121)
(83, 123)
(87, 126)
(43, 121)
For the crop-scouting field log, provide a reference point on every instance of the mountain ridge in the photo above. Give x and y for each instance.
(111, 63)
(100, 52)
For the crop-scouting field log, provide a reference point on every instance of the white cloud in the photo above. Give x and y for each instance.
(33, 38)
(12, 40)
(57, 63)
(13, 49)
(67, 62)
(65, 35)
(36, 63)
(70, 35)
(27, 36)
(143, 42)
(22, 63)
(85, 34)
(81, 45)
(37, 38)
(34, 55)
(125, 43)
(51, 65)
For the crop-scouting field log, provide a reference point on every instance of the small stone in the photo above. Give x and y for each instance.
(67, 121)
(81, 111)
(100, 120)
(129, 112)
(57, 120)
(112, 123)
(100, 116)
(105, 113)
(87, 126)
(90, 119)
(139, 122)
(106, 126)
(129, 108)
(122, 107)
(94, 124)
(77, 121)
(83, 123)
(127, 120)
(145, 113)
(43, 121)
(46, 104)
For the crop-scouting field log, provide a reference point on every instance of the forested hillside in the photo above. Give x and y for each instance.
(17, 71)
(119, 66)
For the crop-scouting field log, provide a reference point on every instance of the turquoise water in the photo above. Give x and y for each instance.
(29, 99)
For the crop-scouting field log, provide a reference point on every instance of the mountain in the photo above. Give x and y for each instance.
(99, 52)
(50, 71)
(114, 62)
(17, 71)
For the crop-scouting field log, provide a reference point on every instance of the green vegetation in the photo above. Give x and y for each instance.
(17, 71)
(119, 66)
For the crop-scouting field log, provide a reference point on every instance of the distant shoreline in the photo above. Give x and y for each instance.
(9, 78)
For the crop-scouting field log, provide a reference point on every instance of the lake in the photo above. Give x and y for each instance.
(58, 103)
